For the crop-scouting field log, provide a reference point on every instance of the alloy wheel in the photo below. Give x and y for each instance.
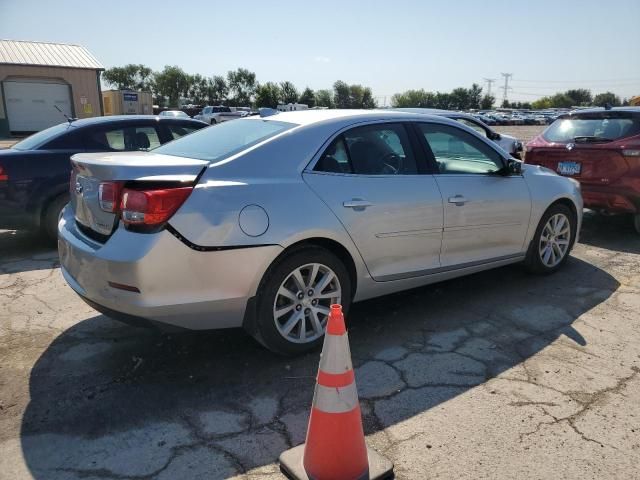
(301, 306)
(554, 240)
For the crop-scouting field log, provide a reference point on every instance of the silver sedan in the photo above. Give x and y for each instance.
(264, 222)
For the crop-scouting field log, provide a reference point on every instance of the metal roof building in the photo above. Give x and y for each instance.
(38, 78)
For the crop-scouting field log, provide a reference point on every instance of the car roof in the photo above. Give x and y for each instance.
(435, 111)
(311, 117)
(83, 122)
(591, 111)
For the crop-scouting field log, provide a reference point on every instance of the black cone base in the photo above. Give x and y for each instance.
(380, 468)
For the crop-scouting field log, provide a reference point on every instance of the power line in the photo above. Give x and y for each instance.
(506, 88)
(489, 81)
(637, 79)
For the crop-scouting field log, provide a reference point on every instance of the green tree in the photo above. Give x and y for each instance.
(475, 96)
(308, 97)
(268, 95)
(288, 92)
(341, 95)
(542, 103)
(579, 97)
(198, 88)
(443, 101)
(130, 77)
(242, 86)
(602, 99)
(324, 98)
(367, 99)
(487, 102)
(172, 82)
(459, 99)
(217, 90)
(414, 99)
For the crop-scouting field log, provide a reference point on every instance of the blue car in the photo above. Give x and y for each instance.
(35, 172)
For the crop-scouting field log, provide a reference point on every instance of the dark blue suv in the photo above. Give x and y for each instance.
(34, 173)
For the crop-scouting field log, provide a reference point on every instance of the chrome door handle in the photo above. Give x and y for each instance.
(459, 200)
(356, 204)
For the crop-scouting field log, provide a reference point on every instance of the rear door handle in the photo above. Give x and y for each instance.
(356, 204)
(459, 200)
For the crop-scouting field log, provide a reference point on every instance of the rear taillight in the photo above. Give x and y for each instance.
(3, 174)
(151, 207)
(109, 196)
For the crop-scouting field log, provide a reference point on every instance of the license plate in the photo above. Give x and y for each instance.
(569, 168)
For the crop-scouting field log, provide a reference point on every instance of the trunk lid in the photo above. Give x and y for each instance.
(590, 164)
(90, 169)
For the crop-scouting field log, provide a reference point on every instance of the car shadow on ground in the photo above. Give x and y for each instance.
(23, 251)
(612, 232)
(115, 401)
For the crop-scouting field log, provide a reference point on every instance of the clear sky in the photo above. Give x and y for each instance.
(391, 45)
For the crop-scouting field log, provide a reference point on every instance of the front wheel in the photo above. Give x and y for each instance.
(295, 297)
(552, 241)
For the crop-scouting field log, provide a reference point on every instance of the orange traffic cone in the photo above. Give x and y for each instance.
(335, 448)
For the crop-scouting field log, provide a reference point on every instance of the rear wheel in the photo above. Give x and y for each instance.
(52, 216)
(294, 300)
(213, 121)
(552, 241)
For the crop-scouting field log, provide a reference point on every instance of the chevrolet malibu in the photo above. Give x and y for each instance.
(264, 222)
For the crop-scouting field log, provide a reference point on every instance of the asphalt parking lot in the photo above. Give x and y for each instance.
(497, 375)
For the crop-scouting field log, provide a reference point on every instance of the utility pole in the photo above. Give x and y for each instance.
(506, 87)
(489, 81)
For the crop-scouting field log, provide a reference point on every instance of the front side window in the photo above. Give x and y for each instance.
(457, 152)
(380, 149)
(226, 139)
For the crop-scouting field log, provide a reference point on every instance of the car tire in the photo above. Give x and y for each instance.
(547, 251)
(52, 216)
(636, 222)
(213, 121)
(299, 310)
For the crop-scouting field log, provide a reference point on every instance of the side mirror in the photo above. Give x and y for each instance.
(514, 167)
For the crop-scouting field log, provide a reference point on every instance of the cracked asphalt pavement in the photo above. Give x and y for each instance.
(497, 375)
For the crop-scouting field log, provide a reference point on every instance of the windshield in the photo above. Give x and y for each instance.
(39, 138)
(224, 140)
(601, 127)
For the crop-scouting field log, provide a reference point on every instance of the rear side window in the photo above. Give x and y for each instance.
(224, 140)
(600, 127)
(122, 139)
(380, 149)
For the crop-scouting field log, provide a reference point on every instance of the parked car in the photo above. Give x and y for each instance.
(34, 173)
(219, 114)
(601, 149)
(264, 222)
(510, 144)
(173, 113)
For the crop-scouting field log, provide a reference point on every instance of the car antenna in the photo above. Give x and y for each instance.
(69, 119)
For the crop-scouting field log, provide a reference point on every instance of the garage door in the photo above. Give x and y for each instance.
(30, 105)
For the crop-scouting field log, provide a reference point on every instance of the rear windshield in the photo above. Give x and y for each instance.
(221, 141)
(40, 138)
(600, 127)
